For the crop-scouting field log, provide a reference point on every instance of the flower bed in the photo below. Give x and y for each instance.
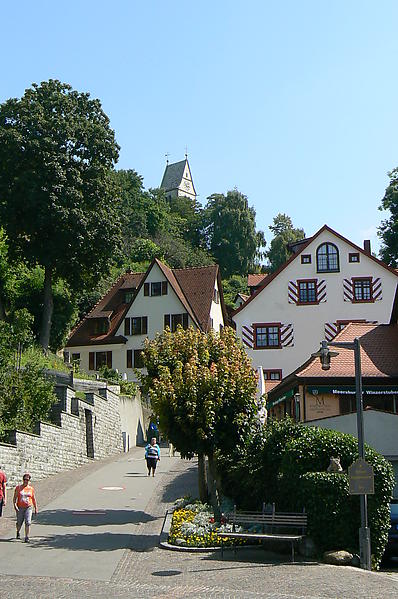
(193, 525)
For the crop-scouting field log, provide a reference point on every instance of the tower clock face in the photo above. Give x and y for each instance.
(187, 185)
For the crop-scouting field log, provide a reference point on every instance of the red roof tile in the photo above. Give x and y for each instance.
(255, 279)
(379, 354)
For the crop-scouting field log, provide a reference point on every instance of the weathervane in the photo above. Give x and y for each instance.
(186, 152)
(167, 157)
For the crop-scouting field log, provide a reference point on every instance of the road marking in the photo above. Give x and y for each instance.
(112, 488)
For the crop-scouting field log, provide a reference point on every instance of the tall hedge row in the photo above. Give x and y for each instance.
(286, 463)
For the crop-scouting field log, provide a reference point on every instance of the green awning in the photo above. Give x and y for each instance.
(275, 402)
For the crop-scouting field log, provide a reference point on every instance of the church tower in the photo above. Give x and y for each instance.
(177, 180)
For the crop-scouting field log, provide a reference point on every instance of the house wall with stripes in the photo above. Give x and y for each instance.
(303, 326)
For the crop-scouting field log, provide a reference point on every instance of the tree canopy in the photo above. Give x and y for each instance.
(231, 232)
(388, 230)
(284, 234)
(57, 194)
(202, 387)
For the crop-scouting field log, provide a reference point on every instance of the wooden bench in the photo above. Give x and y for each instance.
(275, 526)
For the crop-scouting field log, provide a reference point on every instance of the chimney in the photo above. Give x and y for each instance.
(366, 246)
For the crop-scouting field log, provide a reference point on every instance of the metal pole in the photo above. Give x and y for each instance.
(364, 531)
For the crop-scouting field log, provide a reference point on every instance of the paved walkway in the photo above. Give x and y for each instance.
(94, 543)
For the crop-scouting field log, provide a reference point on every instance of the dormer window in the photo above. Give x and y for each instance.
(100, 326)
(327, 258)
(128, 296)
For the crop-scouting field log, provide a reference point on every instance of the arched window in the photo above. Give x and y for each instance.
(327, 258)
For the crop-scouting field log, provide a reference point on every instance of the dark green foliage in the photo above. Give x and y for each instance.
(286, 463)
(58, 201)
(231, 233)
(284, 233)
(388, 230)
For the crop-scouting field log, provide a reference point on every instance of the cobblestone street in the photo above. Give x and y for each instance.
(144, 570)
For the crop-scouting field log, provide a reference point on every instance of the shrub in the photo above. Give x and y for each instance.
(286, 463)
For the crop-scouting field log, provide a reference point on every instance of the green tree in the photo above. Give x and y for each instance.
(284, 233)
(203, 389)
(57, 190)
(388, 230)
(231, 233)
(232, 286)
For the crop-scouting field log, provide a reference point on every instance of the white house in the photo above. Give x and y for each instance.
(326, 283)
(138, 306)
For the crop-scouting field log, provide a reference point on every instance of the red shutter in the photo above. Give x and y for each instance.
(146, 288)
(166, 320)
(185, 321)
(144, 325)
(91, 364)
(164, 287)
(127, 326)
(109, 359)
(129, 358)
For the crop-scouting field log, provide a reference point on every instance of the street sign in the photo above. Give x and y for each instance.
(361, 478)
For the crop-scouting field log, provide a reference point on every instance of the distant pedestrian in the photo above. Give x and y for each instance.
(3, 491)
(24, 502)
(152, 456)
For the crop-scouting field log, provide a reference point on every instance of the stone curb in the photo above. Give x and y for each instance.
(164, 544)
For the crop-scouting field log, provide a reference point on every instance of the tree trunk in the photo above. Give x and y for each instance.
(213, 490)
(2, 311)
(48, 306)
(202, 481)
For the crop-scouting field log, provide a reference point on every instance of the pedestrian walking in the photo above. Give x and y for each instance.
(3, 491)
(24, 502)
(152, 456)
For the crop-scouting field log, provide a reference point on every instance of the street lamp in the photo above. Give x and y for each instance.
(324, 355)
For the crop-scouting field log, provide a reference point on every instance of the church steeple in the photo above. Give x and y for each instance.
(177, 180)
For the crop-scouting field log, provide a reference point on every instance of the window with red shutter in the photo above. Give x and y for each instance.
(109, 359)
(144, 325)
(146, 288)
(129, 358)
(164, 287)
(91, 361)
(166, 320)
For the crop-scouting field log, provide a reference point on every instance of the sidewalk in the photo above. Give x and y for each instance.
(131, 565)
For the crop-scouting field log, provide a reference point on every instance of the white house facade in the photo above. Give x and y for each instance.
(325, 284)
(140, 305)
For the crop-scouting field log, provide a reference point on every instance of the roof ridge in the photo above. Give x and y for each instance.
(193, 267)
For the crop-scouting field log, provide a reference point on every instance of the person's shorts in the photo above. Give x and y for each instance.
(24, 514)
(1, 507)
(152, 463)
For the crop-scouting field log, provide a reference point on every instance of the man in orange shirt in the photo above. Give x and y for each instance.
(24, 502)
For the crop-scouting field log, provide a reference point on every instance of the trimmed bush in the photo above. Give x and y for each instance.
(286, 463)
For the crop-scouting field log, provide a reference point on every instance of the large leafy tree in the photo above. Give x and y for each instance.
(231, 233)
(57, 190)
(388, 230)
(284, 234)
(203, 389)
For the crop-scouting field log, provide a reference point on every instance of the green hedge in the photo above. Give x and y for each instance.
(286, 463)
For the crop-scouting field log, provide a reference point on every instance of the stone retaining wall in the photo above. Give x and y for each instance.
(64, 445)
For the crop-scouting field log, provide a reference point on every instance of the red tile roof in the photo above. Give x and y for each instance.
(193, 286)
(379, 354)
(255, 279)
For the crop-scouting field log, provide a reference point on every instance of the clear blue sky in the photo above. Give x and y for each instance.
(293, 102)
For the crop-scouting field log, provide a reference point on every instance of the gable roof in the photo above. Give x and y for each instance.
(193, 287)
(173, 175)
(272, 276)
